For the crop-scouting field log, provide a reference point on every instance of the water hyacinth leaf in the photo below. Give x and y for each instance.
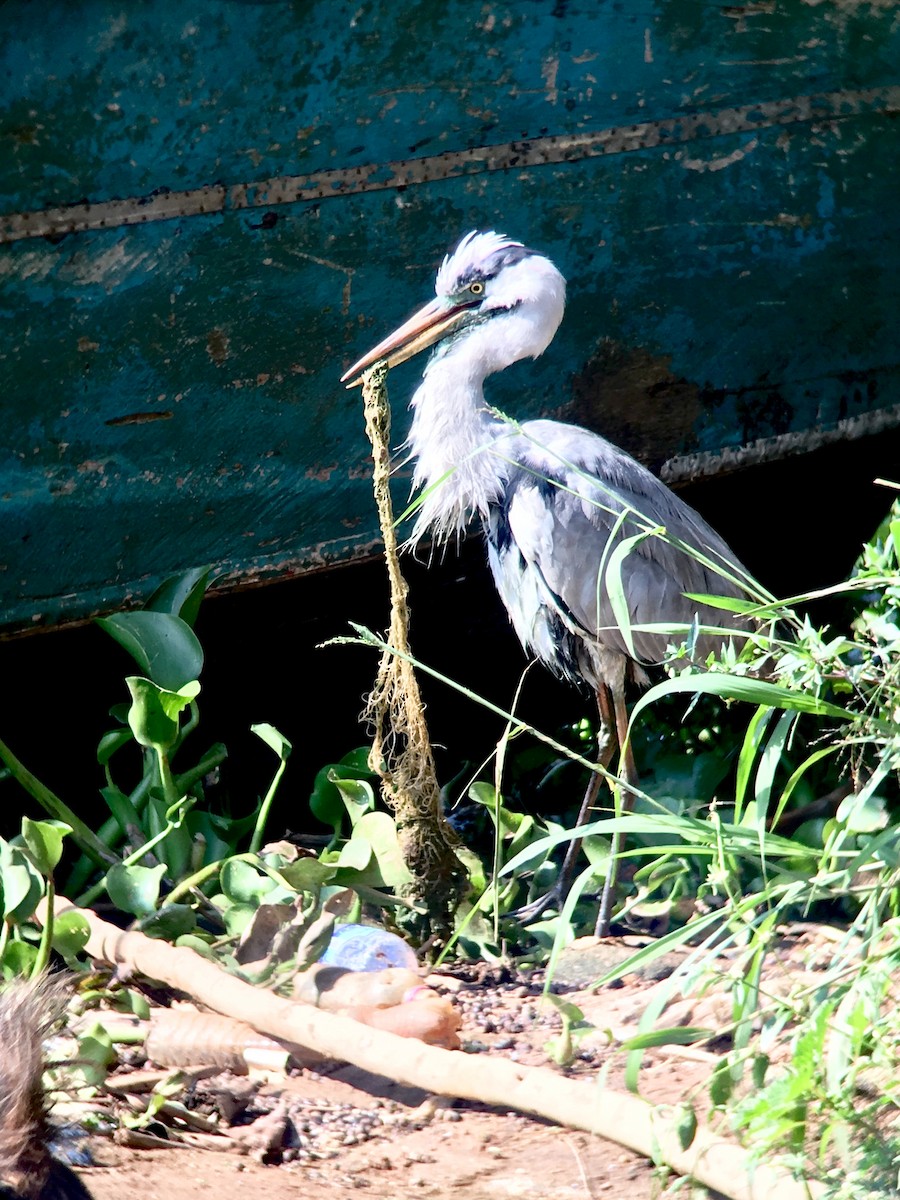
(307, 874)
(180, 595)
(22, 886)
(164, 646)
(685, 1125)
(355, 856)
(120, 806)
(18, 960)
(380, 832)
(197, 944)
(153, 716)
(170, 922)
(274, 740)
(325, 801)
(135, 889)
(44, 840)
(357, 796)
(95, 1055)
(243, 884)
(70, 935)
(315, 940)
(112, 741)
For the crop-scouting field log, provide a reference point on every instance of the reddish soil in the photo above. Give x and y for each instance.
(336, 1132)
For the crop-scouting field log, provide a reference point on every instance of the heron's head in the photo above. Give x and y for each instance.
(495, 297)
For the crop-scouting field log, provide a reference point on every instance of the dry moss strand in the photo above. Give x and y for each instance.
(401, 753)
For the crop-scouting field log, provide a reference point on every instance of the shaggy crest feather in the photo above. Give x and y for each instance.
(472, 256)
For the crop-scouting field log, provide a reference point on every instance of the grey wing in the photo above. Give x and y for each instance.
(570, 499)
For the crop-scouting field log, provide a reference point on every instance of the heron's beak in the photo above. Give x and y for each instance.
(423, 329)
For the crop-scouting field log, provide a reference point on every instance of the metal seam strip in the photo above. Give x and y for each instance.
(164, 205)
(688, 467)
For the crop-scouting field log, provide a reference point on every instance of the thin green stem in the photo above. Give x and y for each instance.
(42, 961)
(263, 815)
(84, 837)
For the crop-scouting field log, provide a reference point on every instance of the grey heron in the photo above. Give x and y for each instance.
(554, 500)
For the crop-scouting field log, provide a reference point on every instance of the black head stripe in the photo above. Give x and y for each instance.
(506, 257)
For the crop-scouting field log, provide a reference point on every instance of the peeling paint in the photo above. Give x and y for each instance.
(403, 173)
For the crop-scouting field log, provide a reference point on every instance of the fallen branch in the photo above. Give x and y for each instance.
(578, 1104)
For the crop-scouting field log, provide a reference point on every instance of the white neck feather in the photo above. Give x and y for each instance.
(452, 432)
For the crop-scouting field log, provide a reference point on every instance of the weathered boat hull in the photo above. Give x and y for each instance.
(205, 217)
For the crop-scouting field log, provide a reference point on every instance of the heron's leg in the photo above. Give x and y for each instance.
(628, 775)
(567, 870)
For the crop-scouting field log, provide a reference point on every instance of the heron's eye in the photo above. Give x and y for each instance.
(476, 288)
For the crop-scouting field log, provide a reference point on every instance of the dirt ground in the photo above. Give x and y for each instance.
(336, 1131)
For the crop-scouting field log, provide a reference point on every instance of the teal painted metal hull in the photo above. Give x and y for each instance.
(208, 210)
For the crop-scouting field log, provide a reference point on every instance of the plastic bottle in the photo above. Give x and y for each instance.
(368, 948)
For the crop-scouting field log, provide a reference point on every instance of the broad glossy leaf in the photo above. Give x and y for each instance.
(70, 934)
(325, 801)
(357, 796)
(22, 885)
(274, 740)
(379, 831)
(164, 646)
(180, 595)
(170, 922)
(18, 959)
(44, 840)
(197, 944)
(307, 874)
(243, 884)
(110, 743)
(153, 716)
(135, 889)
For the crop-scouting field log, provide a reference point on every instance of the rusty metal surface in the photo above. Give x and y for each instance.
(207, 210)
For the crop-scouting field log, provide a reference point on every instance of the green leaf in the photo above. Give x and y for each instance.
(169, 922)
(243, 884)
(21, 884)
(135, 889)
(180, 595)
(685, 1125)
(153, 716)
(355, 855)
(325, 801)
(70, 935)
(110, 743)
(197, 944)
(735, 687)
(274, 740)
(721, 1085)
(123, 811)
(95, 1055)
(307, 874)
(377, 830)
(164, 646)
(44, 840)
(18, 960)
(357, 796)
(865, 812)
(614, 586)
(683, 1036)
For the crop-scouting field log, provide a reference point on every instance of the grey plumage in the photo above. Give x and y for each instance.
(558, 503)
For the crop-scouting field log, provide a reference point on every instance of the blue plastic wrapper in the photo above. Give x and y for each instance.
(367, 948)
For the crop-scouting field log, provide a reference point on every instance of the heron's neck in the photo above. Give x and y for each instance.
(450, 433)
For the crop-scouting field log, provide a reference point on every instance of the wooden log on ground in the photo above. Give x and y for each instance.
(537, 1091)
